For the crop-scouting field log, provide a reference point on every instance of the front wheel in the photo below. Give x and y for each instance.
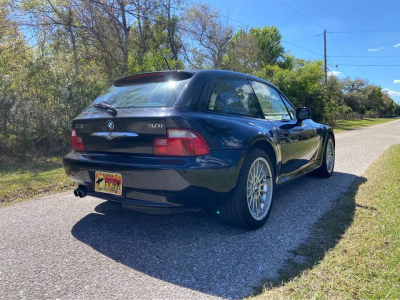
(251, 204)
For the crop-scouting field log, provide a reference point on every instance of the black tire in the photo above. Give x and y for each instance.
(236, 212)
(323, 170)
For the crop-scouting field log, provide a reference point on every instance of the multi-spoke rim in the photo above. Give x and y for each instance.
(330, 156)
(259, 188)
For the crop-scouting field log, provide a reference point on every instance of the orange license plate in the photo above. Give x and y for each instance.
(110, 183)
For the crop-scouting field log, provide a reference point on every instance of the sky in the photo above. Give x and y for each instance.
(310, 20)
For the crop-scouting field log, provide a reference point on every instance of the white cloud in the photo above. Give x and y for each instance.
(334, 73)
(397, 45)
(391, 92)
(376, 49)
(396, 81)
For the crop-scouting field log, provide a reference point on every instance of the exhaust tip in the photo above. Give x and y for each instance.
(81, 191)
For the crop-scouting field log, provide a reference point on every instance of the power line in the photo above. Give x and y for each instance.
(301, 14)
(307, 38)
(365, 31)
(348, 56)
(337, 67)
(331, 73)
(353, 65)
(369, 56)
(302, 48)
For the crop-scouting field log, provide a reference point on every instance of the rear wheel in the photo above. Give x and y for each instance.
(252, 202)
(328, 160)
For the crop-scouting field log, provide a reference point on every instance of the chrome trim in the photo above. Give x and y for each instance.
(113, 135)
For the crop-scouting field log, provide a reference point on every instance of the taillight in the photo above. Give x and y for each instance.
(77, 143)
(181, 142)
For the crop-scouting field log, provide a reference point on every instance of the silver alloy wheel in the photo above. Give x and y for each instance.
(330, 156)
(259, 188)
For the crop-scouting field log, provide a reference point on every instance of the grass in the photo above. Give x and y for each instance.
(347, 125)
(354, 249)
(38, 177)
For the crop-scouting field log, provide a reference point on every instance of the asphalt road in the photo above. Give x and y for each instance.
(69, 248)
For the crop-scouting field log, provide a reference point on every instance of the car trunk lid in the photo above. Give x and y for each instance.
(120, 135)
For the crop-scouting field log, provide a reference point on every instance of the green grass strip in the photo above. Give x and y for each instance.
(354, 249)
(351, 125)
(38, 177)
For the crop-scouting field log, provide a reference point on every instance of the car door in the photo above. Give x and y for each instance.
(310, 134)
(297, 139)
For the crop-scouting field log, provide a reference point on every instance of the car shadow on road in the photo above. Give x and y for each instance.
(200, 252)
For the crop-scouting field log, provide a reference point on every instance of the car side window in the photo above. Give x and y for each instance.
(234, 96)
(270, 101)
(290, 108)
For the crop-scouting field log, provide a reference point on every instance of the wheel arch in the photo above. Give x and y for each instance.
(272, 151)
(330, 132)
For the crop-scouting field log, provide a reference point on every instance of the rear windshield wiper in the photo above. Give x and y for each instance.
(108, 108)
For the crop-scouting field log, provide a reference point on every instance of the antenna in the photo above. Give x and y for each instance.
(169, 69)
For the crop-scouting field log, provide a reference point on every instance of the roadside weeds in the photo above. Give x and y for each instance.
(25, 180)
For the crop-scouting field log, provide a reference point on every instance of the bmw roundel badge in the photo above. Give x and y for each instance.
(110, 124)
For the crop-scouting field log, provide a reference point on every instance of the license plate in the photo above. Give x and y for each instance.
(110, 183)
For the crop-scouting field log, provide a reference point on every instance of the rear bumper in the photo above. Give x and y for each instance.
(162, 182)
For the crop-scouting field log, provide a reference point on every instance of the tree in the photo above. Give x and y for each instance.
(302, 84)
(269, 44)
(241, 53)
(207, 37)
(251, 51)
(374, 101)
(354, 94)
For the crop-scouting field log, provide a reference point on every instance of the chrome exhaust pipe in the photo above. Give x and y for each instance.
(81, 191)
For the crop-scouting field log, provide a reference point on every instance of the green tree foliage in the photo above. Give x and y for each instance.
(269, 44)
(251, 51)
(241, 54)
(302, 84)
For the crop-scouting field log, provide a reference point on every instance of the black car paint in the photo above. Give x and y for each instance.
(296, 148)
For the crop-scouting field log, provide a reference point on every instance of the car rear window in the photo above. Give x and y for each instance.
(152, 94)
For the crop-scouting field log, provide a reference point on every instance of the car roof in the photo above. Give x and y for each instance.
(212, 72)
(227, 73)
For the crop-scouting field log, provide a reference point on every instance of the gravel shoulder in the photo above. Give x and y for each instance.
(63, 247)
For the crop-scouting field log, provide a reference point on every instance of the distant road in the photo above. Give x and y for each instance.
(69, 248)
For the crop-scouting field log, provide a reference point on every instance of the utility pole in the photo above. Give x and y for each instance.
(326, 63)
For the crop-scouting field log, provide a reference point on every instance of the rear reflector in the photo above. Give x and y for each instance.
(77, 143)
(181, 142)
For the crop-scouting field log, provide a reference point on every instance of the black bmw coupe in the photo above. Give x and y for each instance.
(185, 140)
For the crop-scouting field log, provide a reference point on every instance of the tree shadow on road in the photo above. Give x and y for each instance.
(200, 252)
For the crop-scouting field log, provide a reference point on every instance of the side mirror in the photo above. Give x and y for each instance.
(303, 113)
